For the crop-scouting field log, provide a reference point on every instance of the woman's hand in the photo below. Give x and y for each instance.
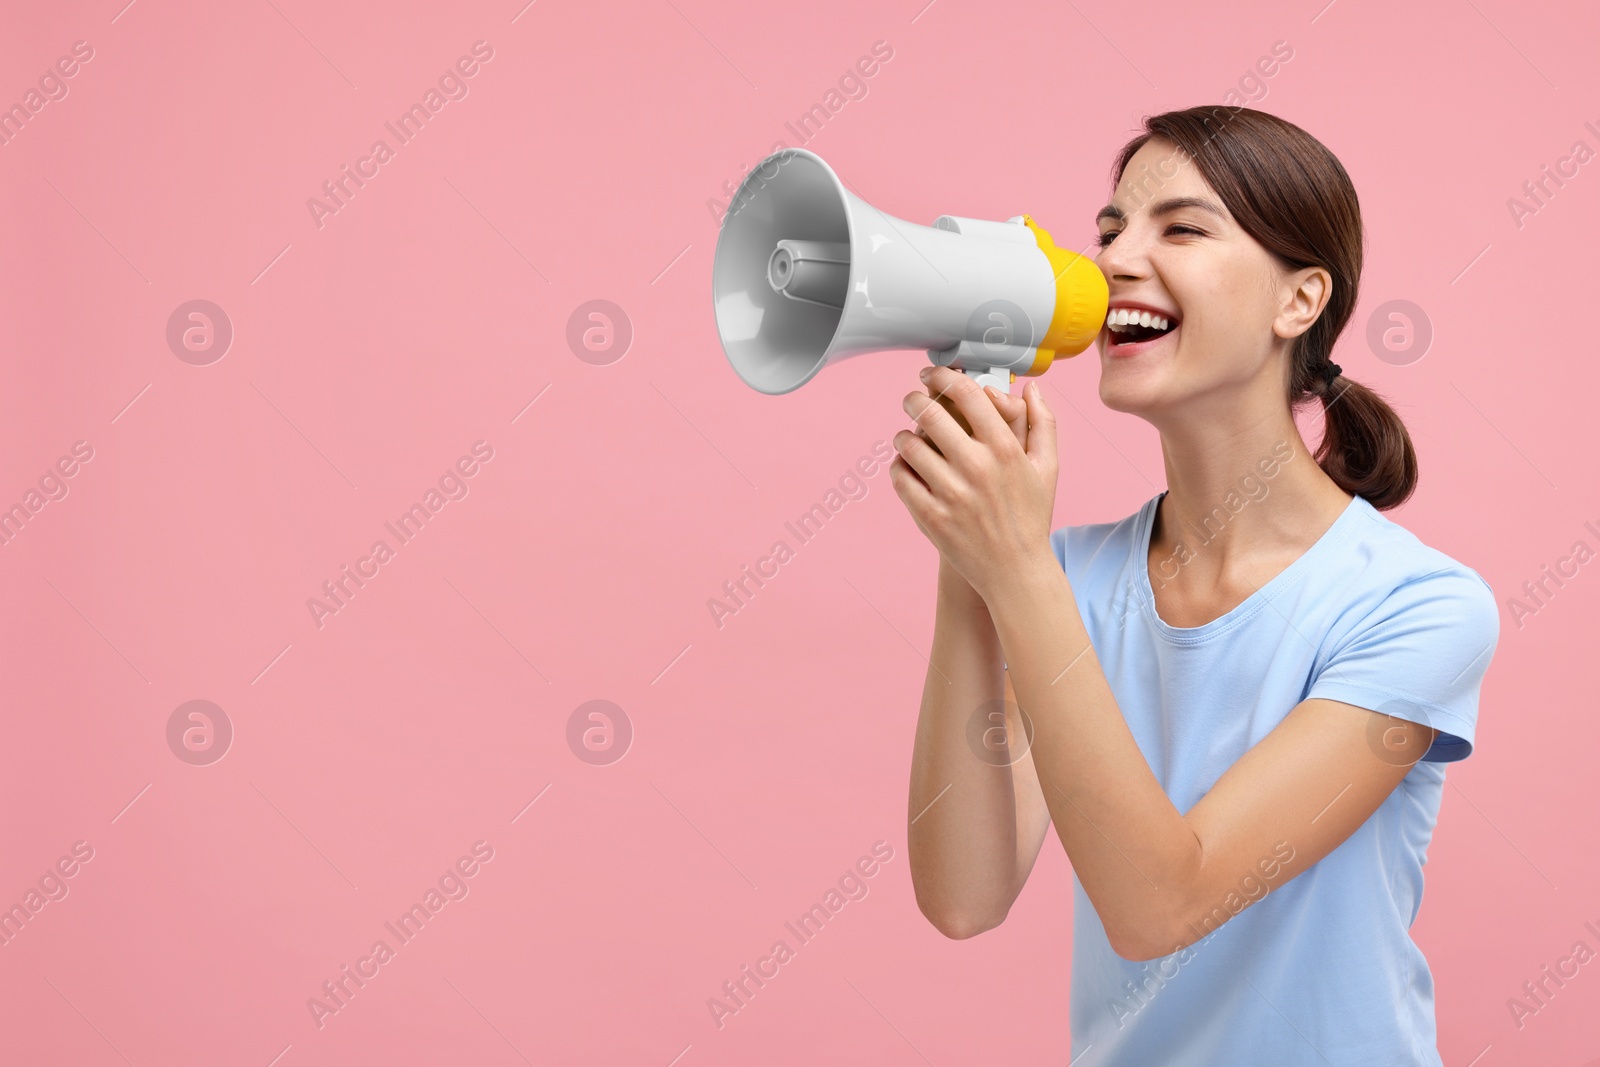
(985, 498)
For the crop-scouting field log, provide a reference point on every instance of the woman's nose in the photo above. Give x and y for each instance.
(1124, 259)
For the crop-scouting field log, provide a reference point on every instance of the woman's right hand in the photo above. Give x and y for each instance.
(1014, 409)
(1011, 407)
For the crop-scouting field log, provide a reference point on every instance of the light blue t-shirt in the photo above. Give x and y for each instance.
(1321, 969)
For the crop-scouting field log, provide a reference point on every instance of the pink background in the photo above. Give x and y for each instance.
(768, 755)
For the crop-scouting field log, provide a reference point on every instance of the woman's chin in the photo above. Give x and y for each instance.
(1129, 393)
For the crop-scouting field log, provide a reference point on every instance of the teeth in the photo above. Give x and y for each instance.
(1122, 317)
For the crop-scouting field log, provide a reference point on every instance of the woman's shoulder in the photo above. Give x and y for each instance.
(1387, 577)
(1387, 553)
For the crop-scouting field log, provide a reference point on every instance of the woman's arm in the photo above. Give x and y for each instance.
(976, 825)
(1159, 879)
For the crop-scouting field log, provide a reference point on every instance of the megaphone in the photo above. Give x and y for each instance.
(807, 274)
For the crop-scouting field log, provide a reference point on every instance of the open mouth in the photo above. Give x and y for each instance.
(1132, 326)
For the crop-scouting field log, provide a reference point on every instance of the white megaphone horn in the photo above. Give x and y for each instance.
(807, 274)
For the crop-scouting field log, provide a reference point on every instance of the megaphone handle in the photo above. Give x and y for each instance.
(998, 377)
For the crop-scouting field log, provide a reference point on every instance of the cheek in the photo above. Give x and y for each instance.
(1223, 300)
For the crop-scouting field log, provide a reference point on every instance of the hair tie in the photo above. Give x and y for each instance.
(1330, 371)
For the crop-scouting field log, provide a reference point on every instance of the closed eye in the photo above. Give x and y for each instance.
(1177, 227)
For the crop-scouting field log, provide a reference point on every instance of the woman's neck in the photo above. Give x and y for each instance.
(1240, 498)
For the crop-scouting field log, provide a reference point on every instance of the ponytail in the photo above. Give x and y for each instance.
(1365, 448)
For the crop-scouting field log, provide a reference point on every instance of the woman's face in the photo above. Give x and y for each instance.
(1170, 247)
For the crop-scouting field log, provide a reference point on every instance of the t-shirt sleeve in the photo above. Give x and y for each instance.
(1421, 656)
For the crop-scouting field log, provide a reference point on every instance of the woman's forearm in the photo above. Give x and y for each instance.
(1132, 850)
(962, 838)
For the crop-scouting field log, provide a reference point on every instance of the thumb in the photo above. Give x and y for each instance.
(1041, 427)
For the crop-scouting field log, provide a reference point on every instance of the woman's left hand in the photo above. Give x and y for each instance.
(988, 500)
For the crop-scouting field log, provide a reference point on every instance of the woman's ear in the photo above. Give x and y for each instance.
(1305, 294)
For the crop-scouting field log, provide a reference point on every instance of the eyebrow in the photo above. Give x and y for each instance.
(1164, 207)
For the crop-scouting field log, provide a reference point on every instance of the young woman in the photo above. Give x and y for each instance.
(1235, 705)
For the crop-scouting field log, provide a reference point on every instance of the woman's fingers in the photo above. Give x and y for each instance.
(1041, 443)
(981, 415)
(935, 417)
(919, 454)
(911, 490)
(1014, 410)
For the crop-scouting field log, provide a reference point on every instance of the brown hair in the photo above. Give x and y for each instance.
(1286, 190)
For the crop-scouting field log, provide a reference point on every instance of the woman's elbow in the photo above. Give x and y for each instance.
(1151, 941)
(1137, 951)
(959, 925)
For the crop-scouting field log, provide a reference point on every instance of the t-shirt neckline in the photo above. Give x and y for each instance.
(1251, 604)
